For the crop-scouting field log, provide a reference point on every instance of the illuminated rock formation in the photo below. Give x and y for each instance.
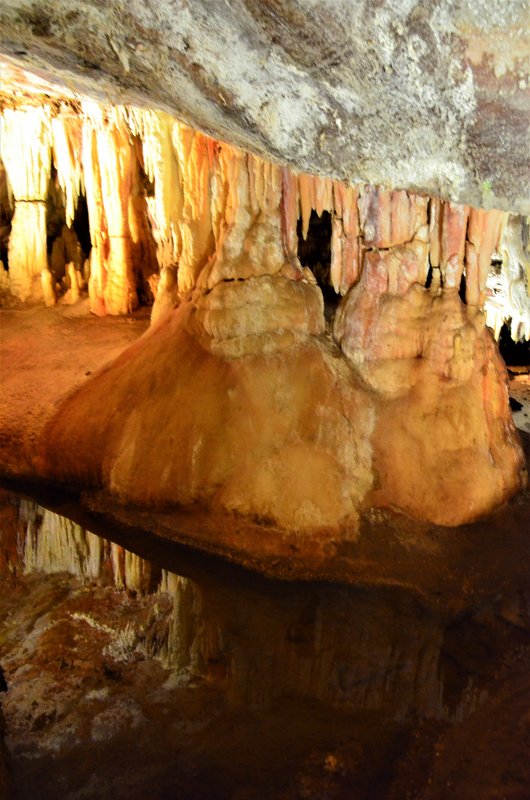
(109, 160)
(55, 544)
(242, 398)
(25, 134)
(267, 419)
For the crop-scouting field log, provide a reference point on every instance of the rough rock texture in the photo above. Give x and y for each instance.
(167, 204)
(430, 96)
(240, 400)
(277, 427)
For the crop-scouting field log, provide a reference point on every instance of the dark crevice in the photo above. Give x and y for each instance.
(515, 354)
(143, 251)
(81, 225)
(462, 289)
(428, 279)
(6, 215)
(315, 252)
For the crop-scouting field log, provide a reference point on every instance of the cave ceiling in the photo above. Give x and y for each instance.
(431, 96)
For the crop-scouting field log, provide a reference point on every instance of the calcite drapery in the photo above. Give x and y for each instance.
(109, 159)
(25, 137)
(251, 435)
(241, 401)
(67, 132)
(273, 422)
(190, 178)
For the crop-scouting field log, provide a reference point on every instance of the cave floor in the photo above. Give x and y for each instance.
(45, 354)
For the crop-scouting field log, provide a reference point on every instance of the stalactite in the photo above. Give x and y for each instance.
(96, 216)
(109, 168)
(161, 166)
(484, 232)
(218, 214)
(67, 147)
(345, 253)
(26, 140)
(55, 544)
(247, 220)
(390, 218)
(453, 243)
(307, 201)
(116, 158)
(290, 205)
(143, 245)
(51, 544)
(193, 151)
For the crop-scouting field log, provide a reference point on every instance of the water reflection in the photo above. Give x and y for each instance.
(138, 669)
(350, 648)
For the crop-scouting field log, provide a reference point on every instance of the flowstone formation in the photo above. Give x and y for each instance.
(250, 395)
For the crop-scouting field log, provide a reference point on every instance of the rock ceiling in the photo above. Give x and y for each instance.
(430, 96)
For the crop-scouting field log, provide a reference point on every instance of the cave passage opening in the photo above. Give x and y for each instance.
(315, 252)
(515, 354)
(66, 243)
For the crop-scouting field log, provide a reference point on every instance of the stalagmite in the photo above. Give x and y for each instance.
(254, 292)
(25, 137)
(423, 350)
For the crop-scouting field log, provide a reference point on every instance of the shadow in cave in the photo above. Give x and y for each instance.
(6, 215)
(315, 252)
(515, 354)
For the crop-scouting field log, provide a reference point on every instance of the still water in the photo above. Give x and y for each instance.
(176, 675)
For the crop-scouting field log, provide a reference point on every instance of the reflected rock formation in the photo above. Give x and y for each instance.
(349, 648)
